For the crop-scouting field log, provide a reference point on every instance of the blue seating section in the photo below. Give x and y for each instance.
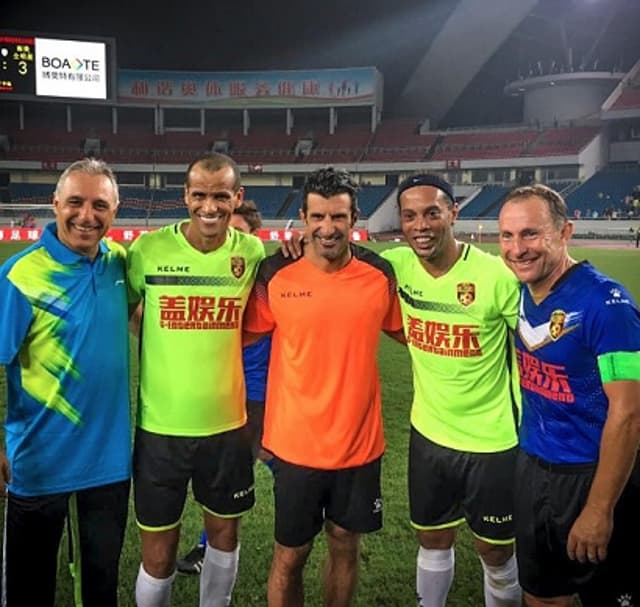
(481, 205)
(293, 210)
(606, 189)
(370, 198)
(141, 203)
(268, 199)
(32, 193)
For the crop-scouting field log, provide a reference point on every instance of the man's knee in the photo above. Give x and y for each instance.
(341, 540)
(437, 539)
(340, 534)
(290, 560)
(159, 550)
(503, 578)
(222, 533)
(493, 555)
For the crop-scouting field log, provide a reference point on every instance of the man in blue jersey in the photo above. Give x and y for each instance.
(64, 342)
(255, 359)
(578, 347)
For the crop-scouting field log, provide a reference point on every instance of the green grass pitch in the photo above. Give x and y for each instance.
(388, 557)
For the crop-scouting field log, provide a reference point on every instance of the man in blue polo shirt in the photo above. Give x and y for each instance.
(64, 342)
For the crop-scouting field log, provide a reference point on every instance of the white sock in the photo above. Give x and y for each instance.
(218, 577)
(151, 591)
(501, 588)
(434, 575)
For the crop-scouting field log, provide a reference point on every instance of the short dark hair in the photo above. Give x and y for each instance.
(555, 202)
(214, 161)
(431, 179)
(329, 182)
(249, 211)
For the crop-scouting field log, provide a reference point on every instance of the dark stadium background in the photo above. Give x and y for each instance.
(547, 37)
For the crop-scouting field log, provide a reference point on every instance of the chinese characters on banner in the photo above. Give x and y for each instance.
(129, 234)
(347, 86)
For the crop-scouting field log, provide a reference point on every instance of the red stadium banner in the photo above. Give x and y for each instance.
(129, 234)
(283, 234)
(19, 234)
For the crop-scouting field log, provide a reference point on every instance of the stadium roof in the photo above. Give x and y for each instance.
(447, 60)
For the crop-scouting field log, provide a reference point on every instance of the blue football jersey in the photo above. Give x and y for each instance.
(558, 342)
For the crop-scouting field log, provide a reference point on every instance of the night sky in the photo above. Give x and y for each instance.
(392, 35)
(230, 35)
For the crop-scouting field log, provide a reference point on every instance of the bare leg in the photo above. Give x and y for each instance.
(341, 567)
(501, 587)
(155, 577)
(435, 566)
(558, 601)
(220, 564)
(222, 533)
(285, 588)
(159, 549)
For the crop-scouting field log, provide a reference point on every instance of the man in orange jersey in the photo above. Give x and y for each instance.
(323, 420)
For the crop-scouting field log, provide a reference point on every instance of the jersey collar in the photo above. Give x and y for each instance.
(61, 252)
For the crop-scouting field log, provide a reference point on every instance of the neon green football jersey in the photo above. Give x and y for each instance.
(191, 375)
(458, 330)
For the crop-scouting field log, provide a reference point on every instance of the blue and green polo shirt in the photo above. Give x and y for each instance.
(64, 342)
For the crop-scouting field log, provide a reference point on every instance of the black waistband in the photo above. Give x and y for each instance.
(563, 468)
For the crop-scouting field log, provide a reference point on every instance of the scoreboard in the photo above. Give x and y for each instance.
(17, 73)
(33, 66)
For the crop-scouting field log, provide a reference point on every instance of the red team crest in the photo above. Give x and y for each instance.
(238, 266)
(556, 324)
(466, 293)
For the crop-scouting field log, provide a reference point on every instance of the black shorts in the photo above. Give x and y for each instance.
(549, 498)
(97, 519)
(447, 486)
(616, 581)
(220, 468)
(306, 497)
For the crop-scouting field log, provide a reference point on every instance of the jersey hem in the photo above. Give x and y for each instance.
(497, 448)
(71, 489)
(345, 466)
(192, 433)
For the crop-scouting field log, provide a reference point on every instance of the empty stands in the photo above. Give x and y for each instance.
(561, 141)
(485, 203)
(628, 99)
(483, 144)
(605, 190)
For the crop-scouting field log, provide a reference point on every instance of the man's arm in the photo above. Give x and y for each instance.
(135, 288)
(397, 336)
(5, 472)
(16, 316)
(592, 530)
(249, 338)
(135, 318)
(294, 247)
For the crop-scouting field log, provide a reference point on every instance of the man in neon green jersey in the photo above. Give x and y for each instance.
(193, 279)
(458, 306)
